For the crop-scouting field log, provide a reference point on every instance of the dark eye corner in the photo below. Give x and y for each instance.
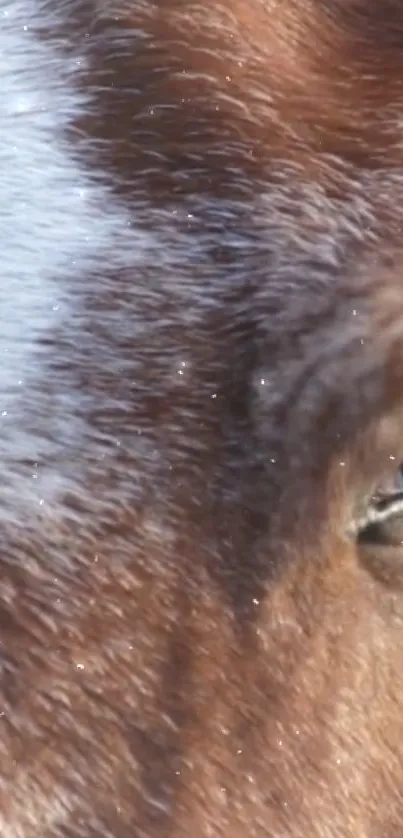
(382, 518)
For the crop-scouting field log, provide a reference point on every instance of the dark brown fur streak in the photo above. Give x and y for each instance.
(201, 388)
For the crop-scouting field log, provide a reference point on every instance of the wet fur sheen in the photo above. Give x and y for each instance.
(201, 383)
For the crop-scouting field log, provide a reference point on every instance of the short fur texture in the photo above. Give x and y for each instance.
(201, 211)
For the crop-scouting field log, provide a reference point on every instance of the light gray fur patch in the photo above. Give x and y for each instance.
(57, 224)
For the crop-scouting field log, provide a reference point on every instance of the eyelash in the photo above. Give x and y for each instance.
(384, 507)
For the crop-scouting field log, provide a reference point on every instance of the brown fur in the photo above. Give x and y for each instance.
(192, 643)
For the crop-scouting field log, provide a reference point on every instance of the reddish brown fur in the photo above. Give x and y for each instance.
(193, 644)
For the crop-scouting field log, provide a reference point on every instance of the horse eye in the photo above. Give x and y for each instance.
(383, 522)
